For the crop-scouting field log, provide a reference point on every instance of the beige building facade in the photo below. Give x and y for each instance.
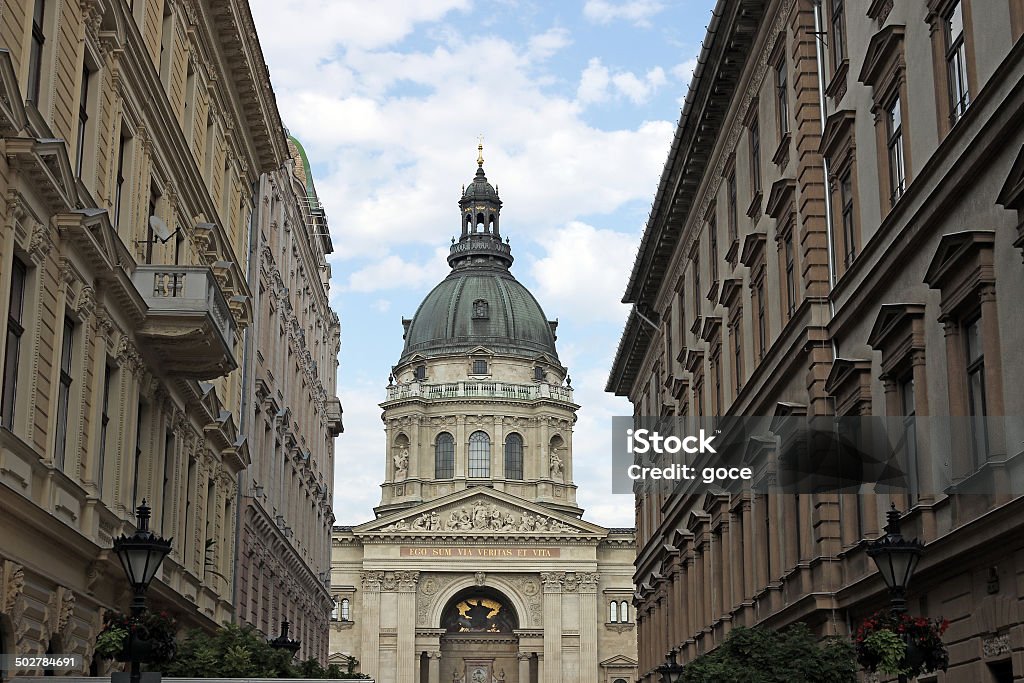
(286, 520)
(838, 232)
(132, 134)
(479, 565)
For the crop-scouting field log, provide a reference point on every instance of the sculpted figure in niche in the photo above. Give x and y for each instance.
(480, 516)
(435, 521)
(555, 464)
(465, 522)
(495, 518)
(402, 463)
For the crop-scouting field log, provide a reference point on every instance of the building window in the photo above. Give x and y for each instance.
(444, 456)
(837, 35)
(139, 422)
(479, 367)
(166, 490)
(83, 120)
(909, 411)
(479, 455)
(538, 373)
(346, 609)
(104, 422)
(894, 144)
(755, 156)
(12, 352)
(762, 322)
(119, 188)
(696, 284)
(623, 612)
(613, 612)
(976, 389)
(782, 97)
(713, 249)
(733, 218)
(334, 610)
(154, 201)
(35, 55)
(420, 373)
(956, 63)
(846, 203)
(64, 392)
(736, 333)
(481, 310)
(789, 262)
(513, 457)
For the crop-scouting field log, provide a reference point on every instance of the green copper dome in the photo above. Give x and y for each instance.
(480, 303)
(479, 307)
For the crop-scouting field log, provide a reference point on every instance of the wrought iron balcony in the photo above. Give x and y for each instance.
(188, 324)
(502, 390)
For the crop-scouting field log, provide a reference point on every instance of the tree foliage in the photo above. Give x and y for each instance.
(240, 652)
(760, 655)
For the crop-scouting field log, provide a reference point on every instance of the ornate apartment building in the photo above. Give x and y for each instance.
(292, 361)
(838, 231)
(133, 134)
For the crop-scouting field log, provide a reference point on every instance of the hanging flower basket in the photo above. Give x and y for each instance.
(896, 643)
(149, 637)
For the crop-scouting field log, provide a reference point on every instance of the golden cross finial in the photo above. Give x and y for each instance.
(480, 151)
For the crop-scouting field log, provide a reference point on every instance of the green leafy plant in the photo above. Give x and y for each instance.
(153, 634)
(761, 655)
(897, 643)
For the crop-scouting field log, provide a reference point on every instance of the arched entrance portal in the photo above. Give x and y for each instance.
(479, 644)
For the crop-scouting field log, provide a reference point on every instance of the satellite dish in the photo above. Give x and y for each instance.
(159, 228)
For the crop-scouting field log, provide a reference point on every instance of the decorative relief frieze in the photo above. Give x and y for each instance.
(482, 517)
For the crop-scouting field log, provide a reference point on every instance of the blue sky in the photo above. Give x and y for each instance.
(577, 103)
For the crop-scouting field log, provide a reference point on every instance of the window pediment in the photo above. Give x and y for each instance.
(849, 382)
(731, 289)
(898, 331)
(963, 262)
(837, 138)
(1011, 196)
(753, 248)
(780, 197)
(883, 55)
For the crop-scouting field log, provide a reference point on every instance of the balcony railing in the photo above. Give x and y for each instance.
(188, 323)
(502, 390)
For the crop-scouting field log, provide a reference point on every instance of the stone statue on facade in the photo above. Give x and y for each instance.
(402, 463)
(555, 464)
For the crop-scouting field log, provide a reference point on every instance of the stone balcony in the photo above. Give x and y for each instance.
(499, 390)
(188, 324)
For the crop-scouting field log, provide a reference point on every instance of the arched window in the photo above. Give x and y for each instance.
(334, 610)
(479, 455)
(346, 610)
(624, 612)
(613, 612)
(513, 456)
(444, 456)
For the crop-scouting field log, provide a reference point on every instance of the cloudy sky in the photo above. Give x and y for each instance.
(577, 102)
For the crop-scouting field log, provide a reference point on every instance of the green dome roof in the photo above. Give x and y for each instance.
(479, 307)
(480, 188)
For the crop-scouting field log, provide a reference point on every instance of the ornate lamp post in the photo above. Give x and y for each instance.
(141, 555)
(283, 642)
(671, 671)
(896, 558)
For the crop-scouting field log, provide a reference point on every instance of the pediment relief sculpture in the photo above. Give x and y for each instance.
(482, 517)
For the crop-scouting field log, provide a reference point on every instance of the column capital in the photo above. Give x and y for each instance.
(552, 581)
(523, 656)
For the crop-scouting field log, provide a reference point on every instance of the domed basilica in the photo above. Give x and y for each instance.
(479, 567)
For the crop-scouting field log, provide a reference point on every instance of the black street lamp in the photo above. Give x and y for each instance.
(140, 555)
(671, 671)
(283, 642)
(897, 558)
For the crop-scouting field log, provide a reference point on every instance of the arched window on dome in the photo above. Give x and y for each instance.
(480, 225)
(444, 456)
(513, 456)
(479, 455)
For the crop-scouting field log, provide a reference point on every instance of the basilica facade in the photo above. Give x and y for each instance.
(479, 567)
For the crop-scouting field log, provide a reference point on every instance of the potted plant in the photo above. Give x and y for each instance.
(151, 635)
(897, 643)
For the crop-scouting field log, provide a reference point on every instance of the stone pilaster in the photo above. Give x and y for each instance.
(407, 657)
(524, 667)
(371, 621)
(553, 582)
(588, 626)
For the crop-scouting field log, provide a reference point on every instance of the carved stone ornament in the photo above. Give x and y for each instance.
(481, 517)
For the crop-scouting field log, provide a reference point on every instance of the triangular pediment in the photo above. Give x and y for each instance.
(1011, 196)
(483, 512)
(618, 660)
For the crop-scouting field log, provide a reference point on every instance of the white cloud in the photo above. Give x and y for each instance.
(637, 12)
(394, 272)
(382, 305)
(597, 83)
(585, 271)
(544, 45)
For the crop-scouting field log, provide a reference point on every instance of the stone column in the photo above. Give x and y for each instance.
(553, 625)
(434, 667)
(524, 667)
(408, 658)
(370, 657)
(540, 667)
(588, 625)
